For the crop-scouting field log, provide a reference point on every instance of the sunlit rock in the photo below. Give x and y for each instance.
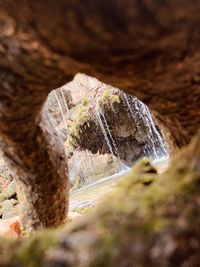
(86, 168)
(106, 120)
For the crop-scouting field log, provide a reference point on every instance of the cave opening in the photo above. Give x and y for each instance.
(105, 131)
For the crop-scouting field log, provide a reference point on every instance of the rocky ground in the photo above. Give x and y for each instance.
(102, 127)
(150, 220)
(8, 200)
(86, 168)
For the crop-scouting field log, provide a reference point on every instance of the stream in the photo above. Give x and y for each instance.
(89, 195)
(92, 174)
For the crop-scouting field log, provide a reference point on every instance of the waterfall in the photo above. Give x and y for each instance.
(163, 151)
(135, 136)
(90, 162)
(104, 132)
(135, 121)
(64, 102)
(59, 105)
(154, 136)
(83, 171)
(114, 111)
(107, 129)
(140, 113)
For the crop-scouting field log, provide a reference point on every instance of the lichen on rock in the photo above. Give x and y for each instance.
(153, 223)
(108, 120)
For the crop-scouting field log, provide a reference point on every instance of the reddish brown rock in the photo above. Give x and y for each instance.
(148, 48)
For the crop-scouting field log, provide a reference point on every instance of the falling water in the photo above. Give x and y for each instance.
(107, 129)
(63, 107)
(155, 137)
(130, 110)
(90, 162)
(59, 105)
(140, 113)
(104, 132)
(163, 149)
(84, 172)
(147, 137)
(114, 111)
(64, 102)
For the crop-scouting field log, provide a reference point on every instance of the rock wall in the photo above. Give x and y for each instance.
(151, 220)
(148, 48)
(107, 120)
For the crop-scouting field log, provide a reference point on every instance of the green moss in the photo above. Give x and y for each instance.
(82, 116)
(135, 215)
(80, 120)
(31, 251)
(85, 101)
(83, 210)
(148, 205)
(109, 97)
(142, 172)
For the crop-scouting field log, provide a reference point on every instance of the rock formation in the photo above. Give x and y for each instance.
(151, 220)
(148, 48)
(107, 120)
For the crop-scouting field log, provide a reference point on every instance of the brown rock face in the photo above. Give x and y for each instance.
(107, 120)
(149, 48)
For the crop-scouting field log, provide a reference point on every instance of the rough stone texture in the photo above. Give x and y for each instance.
(149, 48)
(35, 152)
(5, 174)
(9, 191)
(8, 208)
(151, 220)
(107, 120)
(98, 166)
(55, 101)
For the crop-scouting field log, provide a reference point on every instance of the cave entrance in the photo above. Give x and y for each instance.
(105, 131)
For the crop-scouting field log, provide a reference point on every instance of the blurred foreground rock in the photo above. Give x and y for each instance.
(151, 220)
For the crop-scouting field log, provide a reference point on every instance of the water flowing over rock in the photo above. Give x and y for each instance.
(102, 126)
(107, 120)
(86, 168)
(59, 102)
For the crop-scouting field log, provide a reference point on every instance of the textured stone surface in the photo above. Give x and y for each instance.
(151, 220)
(149, 48)
(107, 120)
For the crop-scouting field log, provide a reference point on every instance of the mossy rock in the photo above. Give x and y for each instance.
(111, 121)
(140, 224)
(83, 115)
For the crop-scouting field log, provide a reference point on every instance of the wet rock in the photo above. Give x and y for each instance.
(58, 102)
(154, 225)
(109, 121)
(85, 167)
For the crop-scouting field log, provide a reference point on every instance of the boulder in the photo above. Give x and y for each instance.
(8, 208)
(86, 168)
(107, 120)
(9, 191)
(150, 220)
